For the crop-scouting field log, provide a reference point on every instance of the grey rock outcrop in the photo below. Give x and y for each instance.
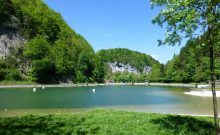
(12, 40)
(147, 69)
(9, 39)
(120, 67)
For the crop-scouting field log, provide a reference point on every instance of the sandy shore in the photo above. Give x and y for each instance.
(202, 93)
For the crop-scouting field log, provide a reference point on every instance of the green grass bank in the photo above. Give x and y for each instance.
(109, 122)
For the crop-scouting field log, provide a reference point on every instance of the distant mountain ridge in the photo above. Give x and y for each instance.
(125, 56)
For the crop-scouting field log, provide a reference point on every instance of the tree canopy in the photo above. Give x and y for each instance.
(191, 64)
(135, 59)
(52, 51)
(186, 18)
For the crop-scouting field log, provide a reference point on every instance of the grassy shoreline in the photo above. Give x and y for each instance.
(107, 122)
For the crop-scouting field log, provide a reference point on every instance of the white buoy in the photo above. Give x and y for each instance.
(93, 90)
(34, 89)
(43, 87)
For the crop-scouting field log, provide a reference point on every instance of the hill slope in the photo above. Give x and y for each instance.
(192, 64)
(124, 65)
(36, 44)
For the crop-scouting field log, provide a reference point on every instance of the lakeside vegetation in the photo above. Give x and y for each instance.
(192, 63)
(51, 52)
(10, 82)
(107, 122)
(54, 53)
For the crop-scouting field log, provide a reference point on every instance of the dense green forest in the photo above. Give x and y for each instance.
(136, 59)
(52, 51)
(192, 64)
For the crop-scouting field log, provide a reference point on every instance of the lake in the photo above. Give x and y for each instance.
(14, 101)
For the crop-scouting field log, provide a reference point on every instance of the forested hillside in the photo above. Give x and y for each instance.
(36, 44)
(136, 60)
(192, 64)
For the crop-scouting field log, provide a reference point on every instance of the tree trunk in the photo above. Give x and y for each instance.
(212, 70)
(211, 28)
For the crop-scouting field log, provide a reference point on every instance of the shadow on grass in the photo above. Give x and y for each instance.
(185, 125)
(45, 125)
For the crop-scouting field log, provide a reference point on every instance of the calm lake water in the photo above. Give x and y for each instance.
(129, 98)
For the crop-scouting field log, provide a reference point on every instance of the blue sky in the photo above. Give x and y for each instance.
(116, 23)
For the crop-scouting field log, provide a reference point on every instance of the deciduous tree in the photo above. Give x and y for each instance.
(190, 19)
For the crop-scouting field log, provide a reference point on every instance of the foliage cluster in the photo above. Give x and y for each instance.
(127, 77)
(192, 64)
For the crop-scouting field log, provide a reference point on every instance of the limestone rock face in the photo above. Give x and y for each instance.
(10, 43)
(9, 39)
(120, 67)
(147, 69)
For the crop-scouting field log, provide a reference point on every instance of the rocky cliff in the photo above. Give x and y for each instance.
(9, 39)
(120, 67)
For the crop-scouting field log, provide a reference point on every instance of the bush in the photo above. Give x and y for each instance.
(13, 74)
(2, 74)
